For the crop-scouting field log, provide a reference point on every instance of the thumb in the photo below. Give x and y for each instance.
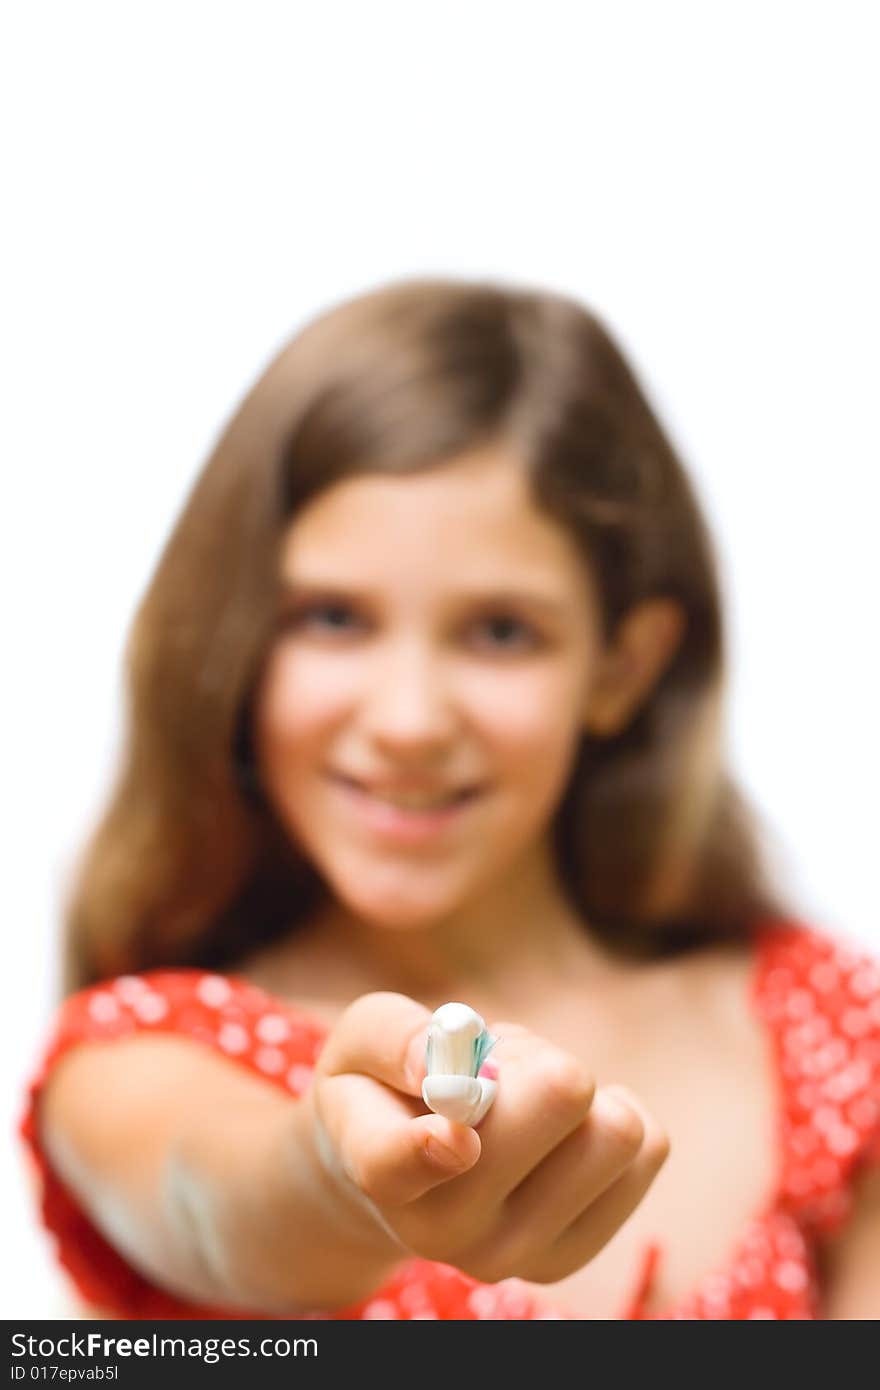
(381, 1035)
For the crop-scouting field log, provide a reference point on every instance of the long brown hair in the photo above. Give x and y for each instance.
(188, 863)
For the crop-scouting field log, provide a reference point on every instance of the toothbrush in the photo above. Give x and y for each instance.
(458, 1044)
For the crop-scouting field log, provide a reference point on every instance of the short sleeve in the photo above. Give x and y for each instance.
(236, 1019)
(822, 996)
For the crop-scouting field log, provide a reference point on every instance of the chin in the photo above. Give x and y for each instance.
(397, 908)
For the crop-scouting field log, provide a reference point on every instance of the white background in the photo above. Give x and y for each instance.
(186, 183)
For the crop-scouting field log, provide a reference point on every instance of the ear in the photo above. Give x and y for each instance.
(645, 641)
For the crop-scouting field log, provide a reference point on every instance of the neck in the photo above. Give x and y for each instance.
(497, 948)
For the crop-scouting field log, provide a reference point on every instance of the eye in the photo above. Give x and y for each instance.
(508, 633)
(331, 616)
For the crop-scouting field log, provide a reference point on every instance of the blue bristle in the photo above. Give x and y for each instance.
(482, 1047)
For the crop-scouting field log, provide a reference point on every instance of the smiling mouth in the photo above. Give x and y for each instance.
(411, 802)
(410, 808)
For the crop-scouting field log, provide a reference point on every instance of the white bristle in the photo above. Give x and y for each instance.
(454, 1029)
(458, 1018)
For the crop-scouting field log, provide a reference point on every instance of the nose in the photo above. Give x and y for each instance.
(409, 710)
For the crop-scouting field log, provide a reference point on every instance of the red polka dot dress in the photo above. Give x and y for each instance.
(818, 998)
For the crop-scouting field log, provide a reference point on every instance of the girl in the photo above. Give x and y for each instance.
(424, 706)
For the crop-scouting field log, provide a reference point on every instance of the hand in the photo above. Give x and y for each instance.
(556, 1167)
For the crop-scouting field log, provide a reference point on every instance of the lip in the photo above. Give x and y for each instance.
(393, 822)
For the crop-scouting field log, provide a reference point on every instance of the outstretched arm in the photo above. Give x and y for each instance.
(203, 1177)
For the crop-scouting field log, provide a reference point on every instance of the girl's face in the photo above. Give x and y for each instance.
(424, 697)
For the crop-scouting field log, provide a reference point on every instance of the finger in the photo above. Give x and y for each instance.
(541, 1095)
(389, 1153)
(591, 1231)
(462, 1098)
(382, 1035)
(579, 1170)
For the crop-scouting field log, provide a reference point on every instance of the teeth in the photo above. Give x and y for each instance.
(413, 802)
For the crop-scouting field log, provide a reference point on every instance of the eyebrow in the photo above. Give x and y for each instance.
(553, 607)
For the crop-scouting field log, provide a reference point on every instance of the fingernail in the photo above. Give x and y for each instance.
(441, 1153)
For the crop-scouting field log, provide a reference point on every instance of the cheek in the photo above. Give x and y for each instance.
(529, 720)
(300, 702)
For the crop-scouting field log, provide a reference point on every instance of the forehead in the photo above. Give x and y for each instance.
(472, 518)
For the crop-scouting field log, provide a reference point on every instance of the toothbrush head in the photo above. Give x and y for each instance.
(458, 1044)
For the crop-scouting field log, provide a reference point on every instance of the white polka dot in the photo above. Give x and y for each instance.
(842, 1140)
(856, 1023)
(233, 1038)
(483, 1302)
(129, 988)
(847, 959)
(270, 1060)
(381, 1308)
(803, 1140)
(866, 982)
(826, 1117)
(796, 1040)
(756, 1241)
(150, 1008)
(103, 1008)
(847, 1083)
(750, 1272)
(413, 1298)
(828, 1057)
(790, 1244)
(764, 1313)
(799, 1003)
(513, 1301)
(824, 977)
(299, 1078)
(272, 1028)
(790, 1276)
(426, 1316)
(863, 1112)
(778, 978)
(214, 991)
(716, 1293)
(807, 1095)
(874, 1010)
(817, 1029)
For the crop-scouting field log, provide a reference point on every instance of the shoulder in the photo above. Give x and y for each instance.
(232, 1016)
(806, 974)
(820, 994)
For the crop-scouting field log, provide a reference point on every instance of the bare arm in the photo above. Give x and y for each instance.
(220, 1187)
(205, 1178)
(852, 1260)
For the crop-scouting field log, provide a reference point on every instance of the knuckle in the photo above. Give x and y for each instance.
(621, 1120)
(367, 1006)
(566, 1082)
(657, 1146)
(506, 1028)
